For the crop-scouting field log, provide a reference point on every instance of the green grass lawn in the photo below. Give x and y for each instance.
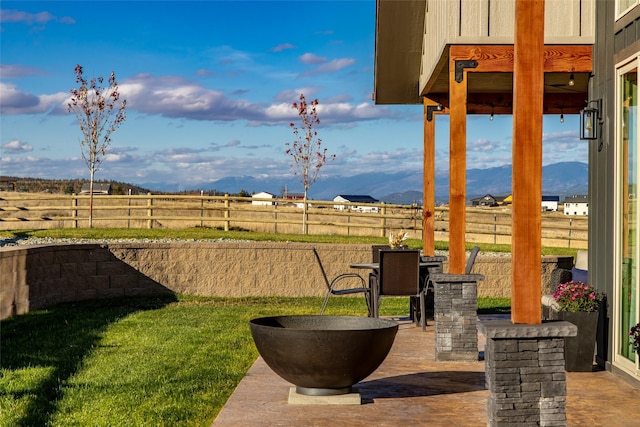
(154, 361)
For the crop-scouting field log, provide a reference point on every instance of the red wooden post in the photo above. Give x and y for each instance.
(528, 96)
(457, 169)
(428, 189)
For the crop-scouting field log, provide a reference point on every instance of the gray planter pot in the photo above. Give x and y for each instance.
(579, 350)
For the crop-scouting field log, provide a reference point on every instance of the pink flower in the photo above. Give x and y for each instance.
(576, 296)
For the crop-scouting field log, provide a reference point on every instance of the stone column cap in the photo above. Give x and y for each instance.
(455, 278)
(505, 329)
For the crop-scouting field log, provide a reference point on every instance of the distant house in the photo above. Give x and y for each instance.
(362, 201)
(550, 203)
(99, 188)
(262, 195)
(489, 200)
(486, 200)
(576, 205)
(294, 196)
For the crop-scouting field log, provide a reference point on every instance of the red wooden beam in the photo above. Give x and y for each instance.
(501, 58)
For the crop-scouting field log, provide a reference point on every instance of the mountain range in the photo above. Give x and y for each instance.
(558, 179)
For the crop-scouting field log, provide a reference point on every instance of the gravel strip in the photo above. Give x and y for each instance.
(27, 241)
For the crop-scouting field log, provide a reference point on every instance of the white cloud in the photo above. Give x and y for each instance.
(14, 101)
(489, 160)
(398, 160)
(341, 112)
(290, 96)
(563, 136)
(283, 46)
(40, 18)
(17, 16)
(312, 59)
(564, 145)
(40, 167)
(16, 146)
(9, 71)
(178, 97)
(483, 145)
(331, 66)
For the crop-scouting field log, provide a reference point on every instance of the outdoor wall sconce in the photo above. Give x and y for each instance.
(590, 120)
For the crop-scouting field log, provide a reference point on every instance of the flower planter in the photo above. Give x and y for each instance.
(579, 350)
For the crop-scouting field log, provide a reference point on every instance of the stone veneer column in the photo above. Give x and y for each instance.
(455, 314)
(524, 369)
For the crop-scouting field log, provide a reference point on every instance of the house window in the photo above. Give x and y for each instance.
(626, 295)
(623, 6)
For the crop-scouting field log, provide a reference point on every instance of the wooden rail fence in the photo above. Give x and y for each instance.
(484, 225)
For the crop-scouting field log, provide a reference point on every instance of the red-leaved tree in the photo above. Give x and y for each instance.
(99, 114)
(306, 150)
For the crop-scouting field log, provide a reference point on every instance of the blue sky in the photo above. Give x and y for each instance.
(209, 85)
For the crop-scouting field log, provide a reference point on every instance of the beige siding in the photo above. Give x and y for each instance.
(472, 22)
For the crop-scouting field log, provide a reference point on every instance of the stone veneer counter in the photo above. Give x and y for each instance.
(524, 372)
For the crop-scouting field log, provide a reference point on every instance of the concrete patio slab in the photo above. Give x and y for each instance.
(411, 388)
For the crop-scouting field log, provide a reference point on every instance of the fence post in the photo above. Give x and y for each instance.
(275, 217)
(226, 212)
(201, 208)
(495, 229)
(74, 209)
(570, 222)
(150, 211)
(383, 220)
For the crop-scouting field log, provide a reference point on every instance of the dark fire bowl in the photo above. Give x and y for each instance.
(323, 355)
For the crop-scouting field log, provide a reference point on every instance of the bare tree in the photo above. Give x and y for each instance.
(96, 108)
(306, 150)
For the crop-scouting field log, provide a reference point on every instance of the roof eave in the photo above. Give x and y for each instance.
(398, 51)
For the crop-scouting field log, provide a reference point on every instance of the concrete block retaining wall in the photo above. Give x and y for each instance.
(33, 277)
